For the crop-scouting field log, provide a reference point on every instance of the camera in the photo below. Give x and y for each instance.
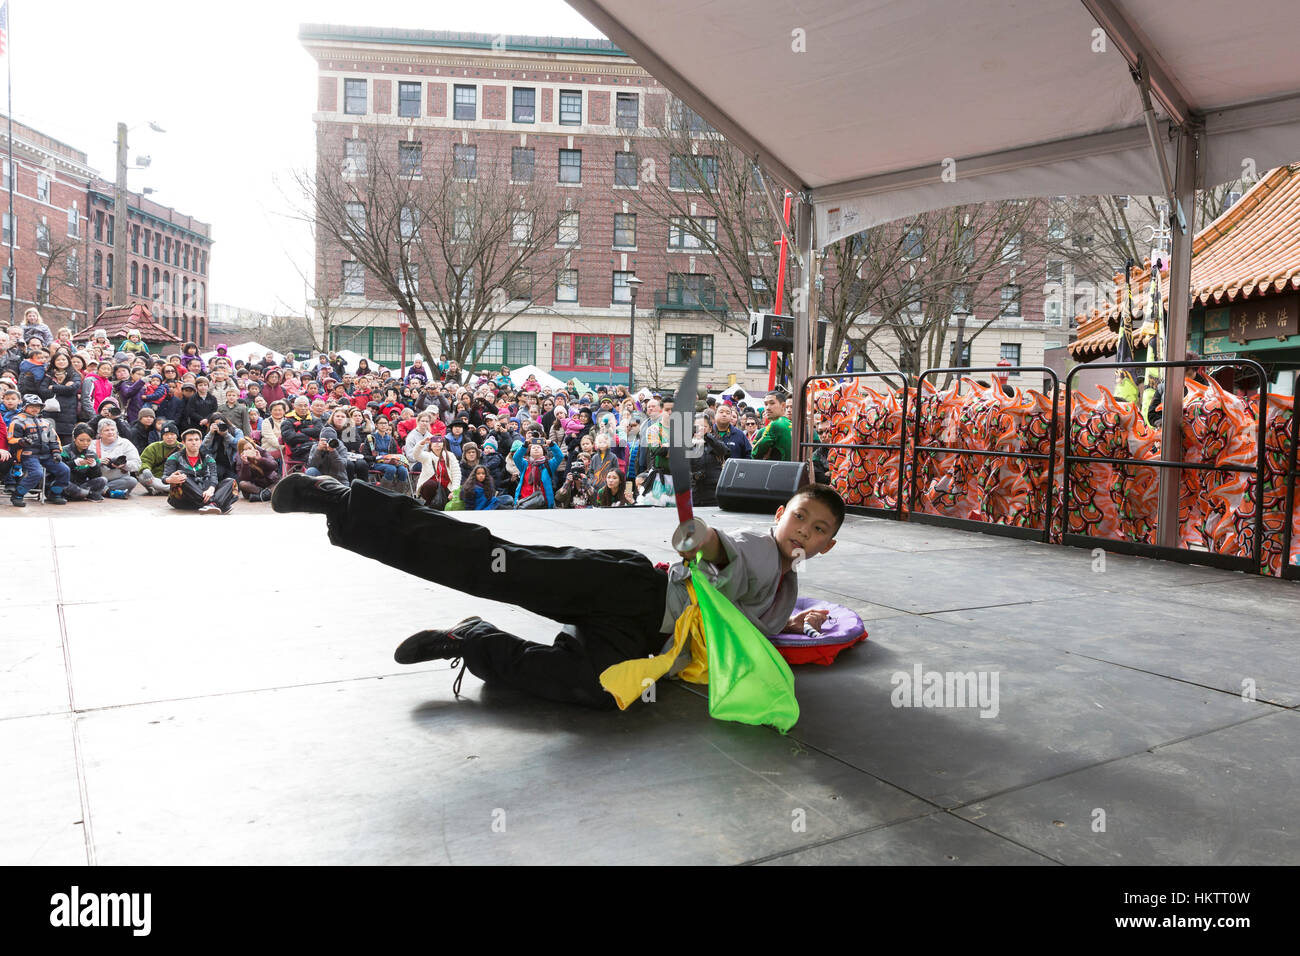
(332, 442)
(222, 427)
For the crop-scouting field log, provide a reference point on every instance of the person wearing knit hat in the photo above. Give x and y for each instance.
(145, 430)
(326, 456)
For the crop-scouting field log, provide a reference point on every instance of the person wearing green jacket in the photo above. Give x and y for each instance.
(155, 456)
(774, 440)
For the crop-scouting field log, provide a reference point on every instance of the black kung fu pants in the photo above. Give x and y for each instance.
(191, 498)
(613, 598)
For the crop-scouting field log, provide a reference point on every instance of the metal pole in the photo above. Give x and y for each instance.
(631, 348)
(1179, 298)
(120, 223)
(13, 174)
(780, 285)
(805, 309)
(403, 326)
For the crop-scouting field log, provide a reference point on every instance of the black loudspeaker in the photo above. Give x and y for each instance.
(759, 486)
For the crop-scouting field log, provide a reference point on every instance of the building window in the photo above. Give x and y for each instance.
(203, 264)
(43, 289)
(756, 358)
(354, 278)
(504, 348)
(135, 238)
(959, 361)
(525, 105)
(1052, 310)
(42, 239)
(1010, 351)
(157, 246)
(354, 97)
(760, 297)
(72, 269)
(622, 291)
(410, 158)
(166, 286)
(4, 181)
(7, 285)
(1011, 300)
(568, 230)
(148, 242)
(354, 157)
(914, 243)
(167, 247)
(682, 117)
(42, 187)
(566, 285)
(625, 169)
(111, 221)
(519, 285)
(464, 161)
(693, 172)
(570, 165)
(466, 103)
(1011, 249)
(680, 349)
(99, 227)
(74, 221)
(576, 352)
(135, 279)
(521, 228)
(410, 278)
(108, 271)
(1121, 202)
(522, 164)
(155, 283)
(98, 277)
(1055, 270)
(1056, 229)
(8, 231)
(408, 99)
(356, 213)
(462, 224)
(186, 265)
(627, 112)
(570, 107)
(683, 233)
(409, 222)
(144, 282)
(625, 230)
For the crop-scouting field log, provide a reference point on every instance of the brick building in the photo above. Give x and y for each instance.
(168, 261)
(48, 228)
(562, 110)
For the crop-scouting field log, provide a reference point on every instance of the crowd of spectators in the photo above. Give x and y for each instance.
(107, 420)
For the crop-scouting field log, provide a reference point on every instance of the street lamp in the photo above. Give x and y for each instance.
(633, 283)
(403, 324)
(120, 214)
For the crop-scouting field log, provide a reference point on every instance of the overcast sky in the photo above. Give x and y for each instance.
(234, 90)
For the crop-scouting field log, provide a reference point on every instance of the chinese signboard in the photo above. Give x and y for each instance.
(1267, 318)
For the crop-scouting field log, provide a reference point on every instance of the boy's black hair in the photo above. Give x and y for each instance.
(828, 496)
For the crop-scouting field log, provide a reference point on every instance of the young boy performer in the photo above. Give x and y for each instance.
(619, 606)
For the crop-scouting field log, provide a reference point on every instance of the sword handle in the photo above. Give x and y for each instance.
(689, 536)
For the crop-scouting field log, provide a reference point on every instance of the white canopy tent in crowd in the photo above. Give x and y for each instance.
(248, 352)
(873, 110)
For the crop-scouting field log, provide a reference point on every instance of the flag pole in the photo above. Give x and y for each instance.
(13, 174)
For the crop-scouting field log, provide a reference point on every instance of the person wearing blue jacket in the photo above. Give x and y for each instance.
(538, 472)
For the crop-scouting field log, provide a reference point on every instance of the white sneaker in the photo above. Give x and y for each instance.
(209, 510)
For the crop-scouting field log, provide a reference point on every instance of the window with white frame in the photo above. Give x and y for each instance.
(756, 358)
(680, 349)
(354, 278)
(354, 157)
(685, 233)
(354, 96)
(410, 277)
(1011, 249)
(8, 235)
(42, 187)
(521, 228)
(462, 224)
(408, 99)
(1055, 270)
(464, 162)
(523, 161)
(42, 239)
(568, 230)
(1010, 351)
(356, 213)
(72, 269)
(913, 243)
(466, 103)
(625, 169)
(74, 221)
(570, 166)
(525, 105)
(625, 229)
(570, 107)
(410, 157)
(1010, 295)
(693, 173)
(566, 285)
(961, 299)
(622, 291)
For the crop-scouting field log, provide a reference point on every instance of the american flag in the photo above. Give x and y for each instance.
(4, 28)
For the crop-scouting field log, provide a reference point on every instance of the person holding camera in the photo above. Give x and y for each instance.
(192, 479)
(119, 460)
(86, 481)
(326, 456)
(537, 472)
(221, 445)
(258, 471)
(439, 471)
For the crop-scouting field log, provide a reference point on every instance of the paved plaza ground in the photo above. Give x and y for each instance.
(185, 689)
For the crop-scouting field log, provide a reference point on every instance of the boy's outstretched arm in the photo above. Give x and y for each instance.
(712, 550)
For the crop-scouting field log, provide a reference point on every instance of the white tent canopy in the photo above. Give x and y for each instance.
(545, 379)
(248, 352)
(1010, 99)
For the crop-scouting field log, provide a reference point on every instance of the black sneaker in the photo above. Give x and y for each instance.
(265, 495)
(298, 492)
(96, 496)
(17, 502)
(55, 500)
(432, 645)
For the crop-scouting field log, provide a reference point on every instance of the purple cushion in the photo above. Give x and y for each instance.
(841, 627)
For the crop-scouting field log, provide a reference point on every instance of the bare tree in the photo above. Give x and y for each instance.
(287, 333)
(452, 237)
(59, 277)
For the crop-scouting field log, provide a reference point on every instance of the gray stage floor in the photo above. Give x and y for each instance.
(231, 698)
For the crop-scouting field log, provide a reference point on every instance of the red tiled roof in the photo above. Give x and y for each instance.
(1253, 249)
(115, 320)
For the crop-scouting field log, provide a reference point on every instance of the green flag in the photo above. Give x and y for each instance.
(749, 681)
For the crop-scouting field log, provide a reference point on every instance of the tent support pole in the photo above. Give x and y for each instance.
(1186, 174)
(805, 307)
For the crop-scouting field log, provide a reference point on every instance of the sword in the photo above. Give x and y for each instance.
(681, 430)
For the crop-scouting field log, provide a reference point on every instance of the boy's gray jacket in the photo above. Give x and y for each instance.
(751, 580)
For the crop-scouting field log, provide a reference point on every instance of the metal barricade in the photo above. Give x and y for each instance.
(1289, 571)
(1185, 555)
(900, 449)
(968, 524)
